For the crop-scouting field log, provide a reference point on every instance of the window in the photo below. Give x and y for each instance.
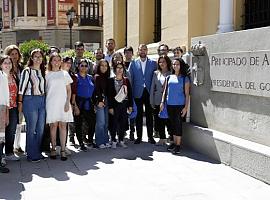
(31, 8)
(157, 32)
(257, 13)
(89, 13)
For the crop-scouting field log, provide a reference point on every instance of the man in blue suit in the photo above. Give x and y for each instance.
(141, 72)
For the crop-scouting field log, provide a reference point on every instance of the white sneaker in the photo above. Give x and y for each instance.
(114, 145)
(3, 162)
(102, 146)
(161, 142)
(12, 157)
(122, 144)
(108, 145)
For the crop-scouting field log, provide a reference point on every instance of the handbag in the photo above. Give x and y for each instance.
(164, 113)
(122, 94)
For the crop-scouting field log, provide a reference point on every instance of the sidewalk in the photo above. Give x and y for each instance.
(138, 172)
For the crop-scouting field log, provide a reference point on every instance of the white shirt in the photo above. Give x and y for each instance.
(143, 64)
(4, 97)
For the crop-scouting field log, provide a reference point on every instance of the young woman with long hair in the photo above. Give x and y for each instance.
(58, 107)
(176, 93)
(31, 101)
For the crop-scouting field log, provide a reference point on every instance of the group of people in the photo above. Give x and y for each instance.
(96, 101)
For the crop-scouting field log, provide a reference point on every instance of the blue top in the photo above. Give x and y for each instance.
(175, 92)
(85, 89)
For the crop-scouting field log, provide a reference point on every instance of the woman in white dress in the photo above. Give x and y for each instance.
(58, 108)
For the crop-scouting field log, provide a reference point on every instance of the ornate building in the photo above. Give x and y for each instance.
(175, 22)
(47, 20)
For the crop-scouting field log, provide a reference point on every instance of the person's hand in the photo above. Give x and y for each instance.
(101, 104)
(66, 108)
(183, 112)
(76, 111)
(7, 121)
(111, 111)
(130, 109)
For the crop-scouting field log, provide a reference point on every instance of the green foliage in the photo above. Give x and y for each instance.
(28, 46)
(71, 53)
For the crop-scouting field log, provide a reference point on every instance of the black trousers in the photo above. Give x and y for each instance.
(89, 117)
(144, 100)
(119, 119)
(174, 113)
(161, 123)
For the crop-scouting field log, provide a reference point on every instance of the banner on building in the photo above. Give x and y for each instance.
(6, 17)
(241, 72)
(51, 12)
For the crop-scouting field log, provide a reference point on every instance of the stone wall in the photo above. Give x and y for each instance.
(241, 115)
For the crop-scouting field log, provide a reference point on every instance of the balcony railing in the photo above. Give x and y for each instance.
(90, 20)
(29, 22)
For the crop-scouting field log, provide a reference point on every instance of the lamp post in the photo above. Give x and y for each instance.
(70, 17)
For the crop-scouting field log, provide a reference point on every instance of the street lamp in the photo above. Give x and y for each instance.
(70, 17)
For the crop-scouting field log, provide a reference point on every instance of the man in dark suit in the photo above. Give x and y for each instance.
(141, 72)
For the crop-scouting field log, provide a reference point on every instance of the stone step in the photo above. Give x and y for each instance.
(248, 157)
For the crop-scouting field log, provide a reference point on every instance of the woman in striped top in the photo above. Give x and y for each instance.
(32, 102)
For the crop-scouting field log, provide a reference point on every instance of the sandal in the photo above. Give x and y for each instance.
(53, 154)
(63, 155)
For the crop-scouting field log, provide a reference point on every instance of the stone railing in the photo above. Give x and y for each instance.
(29, 22)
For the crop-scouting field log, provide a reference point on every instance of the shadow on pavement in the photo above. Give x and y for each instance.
(79, 163)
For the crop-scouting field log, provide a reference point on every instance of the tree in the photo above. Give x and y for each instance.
(29, 46)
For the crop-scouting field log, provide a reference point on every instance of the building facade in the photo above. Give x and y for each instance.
(47, 20)
(175, 22)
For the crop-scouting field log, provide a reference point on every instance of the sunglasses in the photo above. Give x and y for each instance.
(83, 65)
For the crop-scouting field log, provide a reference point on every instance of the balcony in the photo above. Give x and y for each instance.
(29, 22)
(90, 21)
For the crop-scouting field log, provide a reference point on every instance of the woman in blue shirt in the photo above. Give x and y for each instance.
(85, 89)
(176, 93)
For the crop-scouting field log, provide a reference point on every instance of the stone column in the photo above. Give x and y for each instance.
(39, 8)
(16, 8)
(225, 16)
(45, 8)
(25, 8)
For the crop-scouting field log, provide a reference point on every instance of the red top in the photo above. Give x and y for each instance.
(13, 91)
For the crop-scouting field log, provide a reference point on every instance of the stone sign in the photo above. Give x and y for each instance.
(241, 72)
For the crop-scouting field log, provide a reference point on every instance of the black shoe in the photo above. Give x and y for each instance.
(83, 148)
(3, 169)
(138, 141)
(63, 156)
(171, 147)
(151, 140)
(176, 149)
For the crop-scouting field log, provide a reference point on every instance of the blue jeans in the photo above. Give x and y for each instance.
(102, 136)
(11, 130)
(34, 113)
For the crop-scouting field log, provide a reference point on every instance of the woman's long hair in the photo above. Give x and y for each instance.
(183, 67)
(30, 62)
(107, 73)
(54, 54)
